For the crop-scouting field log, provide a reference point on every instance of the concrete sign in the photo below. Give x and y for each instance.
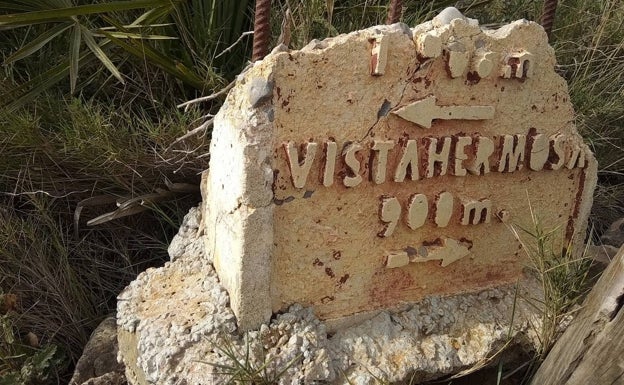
(380, 167)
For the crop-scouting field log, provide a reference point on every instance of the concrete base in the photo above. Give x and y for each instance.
(175, 327)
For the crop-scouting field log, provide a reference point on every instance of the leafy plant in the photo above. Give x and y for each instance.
(209, 33)
(98, 33)
(66, 282)
(63, 17)
(23, 362)
(563, 274)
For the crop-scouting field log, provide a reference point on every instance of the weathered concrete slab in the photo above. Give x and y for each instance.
(387, 165)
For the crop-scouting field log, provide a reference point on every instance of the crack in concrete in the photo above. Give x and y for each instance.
(387, 107)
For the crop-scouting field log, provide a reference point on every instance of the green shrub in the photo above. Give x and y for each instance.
(22, 360)
(130, 40)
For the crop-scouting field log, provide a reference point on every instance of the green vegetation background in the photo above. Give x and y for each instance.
(93, 183)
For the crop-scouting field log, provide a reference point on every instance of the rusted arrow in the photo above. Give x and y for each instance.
(450, 251)
(423, 112)
(447, 252)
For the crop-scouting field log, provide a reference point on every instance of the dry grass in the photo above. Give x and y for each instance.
(66, 274)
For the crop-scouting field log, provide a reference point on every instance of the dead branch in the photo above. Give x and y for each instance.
(209, 97)
(196, 131)
(234, 44)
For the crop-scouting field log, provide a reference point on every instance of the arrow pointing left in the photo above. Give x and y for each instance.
(423, 112)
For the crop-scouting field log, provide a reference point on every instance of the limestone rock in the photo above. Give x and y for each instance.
(601, 254)
(164, 314)
(188, 242)
(98, 364)
(111, 378)
(614, 235)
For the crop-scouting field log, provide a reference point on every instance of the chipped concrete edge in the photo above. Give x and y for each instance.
(589, 182)
(129, 355)
(240, 211)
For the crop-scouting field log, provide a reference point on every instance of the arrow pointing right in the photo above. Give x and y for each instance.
(423, 112)
(448, 252)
